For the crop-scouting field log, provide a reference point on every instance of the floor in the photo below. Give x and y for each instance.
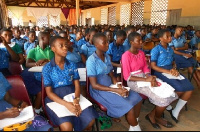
(188, 120)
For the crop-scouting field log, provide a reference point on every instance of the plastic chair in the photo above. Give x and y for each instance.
(44, 95)
(15, 68)
(18, 90)
(148, 46)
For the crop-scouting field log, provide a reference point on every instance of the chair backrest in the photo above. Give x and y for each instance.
(89, 96)
(148, 46)
(15, 68)
(198, 55)
(18, 90)
(44, 95)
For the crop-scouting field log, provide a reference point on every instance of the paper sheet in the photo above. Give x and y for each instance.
(119, 70)
(180, 77)
(82, 74)
(115, 86)
(36, 69)
(62, 111)
(25, 115)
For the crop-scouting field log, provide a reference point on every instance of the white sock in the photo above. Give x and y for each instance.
(37, 111)
(135, 128)
(178, 108)
(169, 107)
(41, 110)
(137, 119)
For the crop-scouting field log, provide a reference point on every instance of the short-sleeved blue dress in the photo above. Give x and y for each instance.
(164, 58)
(61, 82)
(4, 87)
(116, 105)
(180, 60)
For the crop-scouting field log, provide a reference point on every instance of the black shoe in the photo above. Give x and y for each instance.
(155, 125)
(170, 111)
(168, 125)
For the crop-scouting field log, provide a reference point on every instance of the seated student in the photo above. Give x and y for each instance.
(126, 44)
(74, 52)
(182, 58)
(121, 102)
(27, 29)
(17, 39)
(15, 47)
(78, 37)
(6, 52)
(195, 40)
(38, 56)
(109, 36)
(145, 39)
(162, 62)
(153, 35)
(10, 107)
(134, 60)
(60, 79)
(89, 48)
(116, 50)
(73, 34)
(31, 43)
(85, 38)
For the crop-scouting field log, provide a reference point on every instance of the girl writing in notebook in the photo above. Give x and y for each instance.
(162, 60)
(10, 106)
(135, 69)
(60, 79)
(99, 70)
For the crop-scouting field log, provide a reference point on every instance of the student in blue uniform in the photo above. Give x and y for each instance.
(78, 37)
(153, 34)
(31, 43)
(9, 107)
(121, 102)
(162, 60)
(6, 52)
(60, 79)
(195, 40)
(126, 44)
(17, 39)
(89, 48)
(109, 36)
(182, 58)
(85, 38)
(27, 29)
(116, 50)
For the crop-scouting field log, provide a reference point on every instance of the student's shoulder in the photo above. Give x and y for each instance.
(47, 67)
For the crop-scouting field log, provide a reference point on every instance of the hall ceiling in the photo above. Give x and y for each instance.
(84, 4)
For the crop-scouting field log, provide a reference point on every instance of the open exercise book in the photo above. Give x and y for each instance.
(180, 77)
(35, 69)
(62, 111)
(25, 115)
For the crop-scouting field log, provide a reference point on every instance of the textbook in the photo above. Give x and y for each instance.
(62, 111)
(25, 115)
(180, 77)
(82, 74)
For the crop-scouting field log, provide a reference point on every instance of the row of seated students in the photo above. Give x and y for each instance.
(100, 53)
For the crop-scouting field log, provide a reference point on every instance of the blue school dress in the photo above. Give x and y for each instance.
(126, 45)
(164, 58)
(116, 105)
(4, 61)
(81, 42)
(4, 87)
(180, 60)
(116, 53)
(88, 49)
(28, 46)
(194, 41)
(20, 42)
(61, 82)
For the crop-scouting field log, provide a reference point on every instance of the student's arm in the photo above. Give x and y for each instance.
(52, 96)
(21, 59)
(14, 102)
(13, 55)
(84, 52)
(185, 47)
(10, 113)
(180, 53)
(83, 58)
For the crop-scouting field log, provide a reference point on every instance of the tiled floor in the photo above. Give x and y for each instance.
(188, 120)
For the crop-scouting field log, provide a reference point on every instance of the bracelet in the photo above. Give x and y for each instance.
(19, 104)
(77, 98)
